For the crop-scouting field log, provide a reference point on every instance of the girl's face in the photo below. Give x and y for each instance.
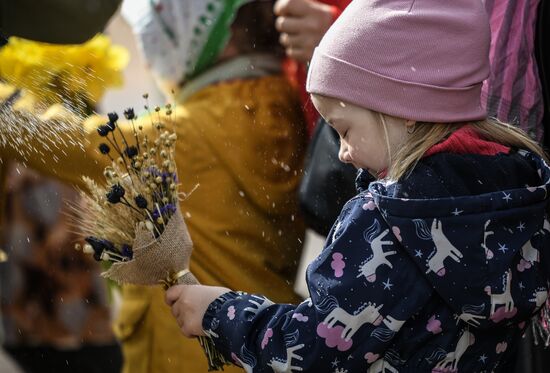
(363, 141)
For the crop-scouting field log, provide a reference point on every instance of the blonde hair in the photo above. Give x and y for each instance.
(386, 135)
(426, 135)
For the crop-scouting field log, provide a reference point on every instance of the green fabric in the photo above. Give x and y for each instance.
(56, 21)
(219, 36)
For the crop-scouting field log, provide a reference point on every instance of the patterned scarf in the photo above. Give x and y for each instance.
(181, 38)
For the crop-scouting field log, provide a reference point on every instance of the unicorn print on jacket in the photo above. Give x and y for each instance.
(368, 313)
(406, 284)
(378, 258)
(503, 299)
(451, 360)
(443, 249)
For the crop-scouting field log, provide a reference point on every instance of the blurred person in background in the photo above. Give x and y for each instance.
(327, 183)
(517, 92)
(54, 305)
(302, 24)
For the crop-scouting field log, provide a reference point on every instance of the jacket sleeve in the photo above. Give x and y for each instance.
(363, 288)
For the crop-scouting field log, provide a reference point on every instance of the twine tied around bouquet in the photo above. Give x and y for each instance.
(183, 277)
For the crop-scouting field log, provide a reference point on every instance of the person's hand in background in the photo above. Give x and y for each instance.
(302, 24)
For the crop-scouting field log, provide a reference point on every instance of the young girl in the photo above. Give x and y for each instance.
(439, 265)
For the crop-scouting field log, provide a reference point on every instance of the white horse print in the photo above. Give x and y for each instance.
(368, 314)
(259, 304)
(378, 257)
(539, 297)
(248, 361)
(471, 319)
(393, 324)
(285, 366)
(443, 249)
(529, 253)
(451, 360)
(382, 366)
(472, 314)
(504, 298)
(488, 253)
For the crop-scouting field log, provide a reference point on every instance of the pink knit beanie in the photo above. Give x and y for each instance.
(423, 60)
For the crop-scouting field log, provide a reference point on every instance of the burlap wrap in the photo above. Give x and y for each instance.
(161, 261)
(157, 260)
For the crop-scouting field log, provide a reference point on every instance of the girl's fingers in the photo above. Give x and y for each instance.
(173, 294)
(175, 310)
(181, 324)
(185, 327)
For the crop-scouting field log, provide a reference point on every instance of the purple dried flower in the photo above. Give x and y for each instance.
(166, 211)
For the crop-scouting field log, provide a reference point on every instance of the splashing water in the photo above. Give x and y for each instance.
(50, 134)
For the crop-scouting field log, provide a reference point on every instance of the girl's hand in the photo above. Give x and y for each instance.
(189, 304)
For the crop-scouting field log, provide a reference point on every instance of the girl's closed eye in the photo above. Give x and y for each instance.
(342, 132)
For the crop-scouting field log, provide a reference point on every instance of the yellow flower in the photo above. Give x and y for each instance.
(56, 73)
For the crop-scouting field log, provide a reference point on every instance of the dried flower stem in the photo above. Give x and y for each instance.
(160, 215)
(153, 221)
(115, 145)
(126, 203)
(123, 137)
(135, 134)
(116, 256)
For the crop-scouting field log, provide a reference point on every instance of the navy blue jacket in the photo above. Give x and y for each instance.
(440, 272)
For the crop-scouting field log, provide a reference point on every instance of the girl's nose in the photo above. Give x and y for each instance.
(343, 153)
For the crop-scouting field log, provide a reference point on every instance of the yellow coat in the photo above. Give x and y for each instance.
(243, 142)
